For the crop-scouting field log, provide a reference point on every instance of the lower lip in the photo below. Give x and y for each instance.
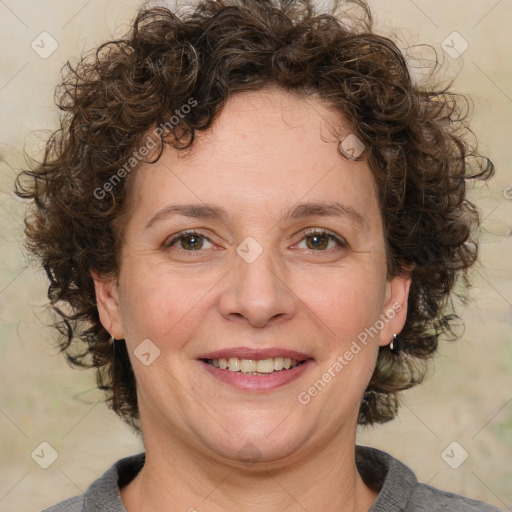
(266, 382)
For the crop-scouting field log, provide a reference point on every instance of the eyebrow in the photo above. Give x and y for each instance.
(307, 209)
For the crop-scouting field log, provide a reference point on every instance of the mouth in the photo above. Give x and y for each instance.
(257, 370)
(255, 366)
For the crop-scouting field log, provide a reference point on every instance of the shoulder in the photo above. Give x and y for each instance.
(427, 498)
(399, 490)
(104, 493)
(75, 504)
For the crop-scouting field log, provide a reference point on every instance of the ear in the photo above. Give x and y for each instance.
(107, 301)
(394, 310)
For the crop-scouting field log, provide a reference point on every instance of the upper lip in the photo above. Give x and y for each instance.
(254, 353)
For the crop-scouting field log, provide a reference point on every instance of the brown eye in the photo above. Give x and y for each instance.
(190, 241)
(318, 240)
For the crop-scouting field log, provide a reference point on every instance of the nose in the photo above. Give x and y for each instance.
(258, 291)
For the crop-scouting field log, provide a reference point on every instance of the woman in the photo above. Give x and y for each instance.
(253, 222)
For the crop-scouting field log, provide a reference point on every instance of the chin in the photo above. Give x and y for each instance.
(262, 442)
(253, 453)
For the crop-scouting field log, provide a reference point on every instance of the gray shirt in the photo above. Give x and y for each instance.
(399, 490)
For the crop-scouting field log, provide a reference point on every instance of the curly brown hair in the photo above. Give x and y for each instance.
(419, 148)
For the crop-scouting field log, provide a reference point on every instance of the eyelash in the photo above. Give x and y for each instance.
(310, 232)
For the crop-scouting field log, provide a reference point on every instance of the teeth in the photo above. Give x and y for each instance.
(234, 364)
(248, 365)
(253, 366)
(265, 366)
(278, 363)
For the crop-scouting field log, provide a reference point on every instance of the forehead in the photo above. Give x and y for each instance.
(270, 121)
(267, 149)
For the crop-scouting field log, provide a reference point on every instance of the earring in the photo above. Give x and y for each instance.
(394, 344)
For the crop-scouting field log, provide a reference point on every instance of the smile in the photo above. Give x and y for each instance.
(256, 375)
(254, 366)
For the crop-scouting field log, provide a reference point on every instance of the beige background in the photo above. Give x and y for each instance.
(468, 398)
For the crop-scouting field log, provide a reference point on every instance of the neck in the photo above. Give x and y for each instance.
(324, 479)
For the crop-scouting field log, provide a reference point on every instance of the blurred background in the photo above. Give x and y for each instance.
(454, 431)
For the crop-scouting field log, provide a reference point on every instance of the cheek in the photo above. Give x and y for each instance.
(345, 301)
(344, 315)
(155, 303)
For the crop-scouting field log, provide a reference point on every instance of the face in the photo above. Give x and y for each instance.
(266, 278)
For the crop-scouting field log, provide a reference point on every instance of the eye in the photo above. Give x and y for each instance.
(194, 241)
(190, 241)
(320, 239)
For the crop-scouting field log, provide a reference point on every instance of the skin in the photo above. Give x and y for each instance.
(267, 151)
